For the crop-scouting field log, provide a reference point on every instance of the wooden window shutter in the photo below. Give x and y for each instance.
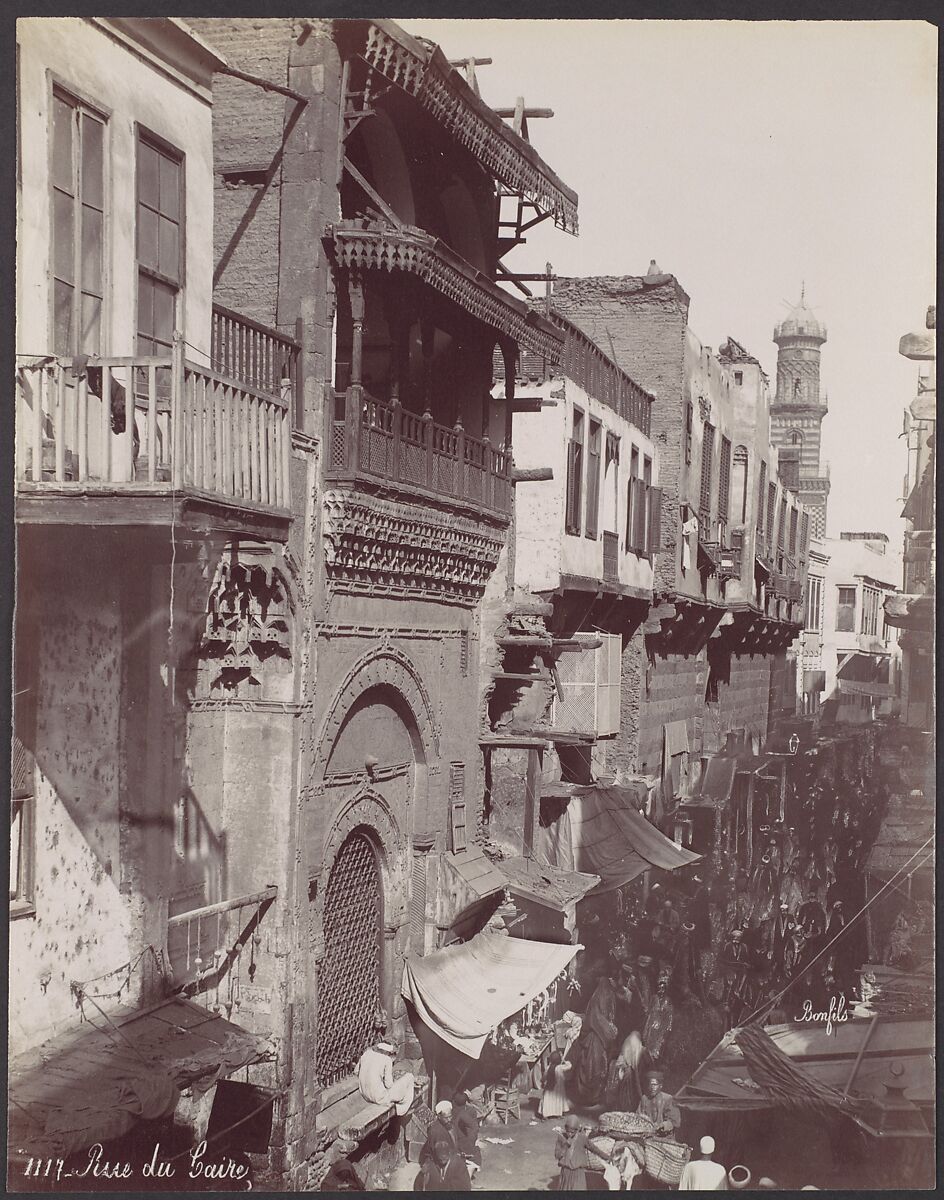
(655, 520)
(689, 412)
(572, 524)
(418, 904)
(592, 523)
(761, 497)
(457, 807)
(707, 455)
(724, 481)
(608, 661)
(639, 516)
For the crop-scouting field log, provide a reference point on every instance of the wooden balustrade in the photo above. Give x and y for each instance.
(383, 441)
(154, 423)
(250, 353)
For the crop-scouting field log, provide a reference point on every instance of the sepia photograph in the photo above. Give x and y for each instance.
(473, 554)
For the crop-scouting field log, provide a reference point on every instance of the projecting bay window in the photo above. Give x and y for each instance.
(160, 244)
(845, 609)
(592, 525)
(871, 602)
(78, 226)
(575, 475)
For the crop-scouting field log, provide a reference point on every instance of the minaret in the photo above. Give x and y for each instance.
(796, 415)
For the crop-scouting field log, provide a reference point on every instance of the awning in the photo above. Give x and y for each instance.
(880, 1070)
(543, 884)
(464, 992)
(717, 781)
(478, 873)
(94, 1084)
(600, 832)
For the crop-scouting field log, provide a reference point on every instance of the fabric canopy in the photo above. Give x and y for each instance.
(601, 833)
(464, 992)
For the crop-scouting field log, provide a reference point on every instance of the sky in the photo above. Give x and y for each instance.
(748, 159)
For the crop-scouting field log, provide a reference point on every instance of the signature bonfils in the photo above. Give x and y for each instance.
(193, 1165)
(836, 1012)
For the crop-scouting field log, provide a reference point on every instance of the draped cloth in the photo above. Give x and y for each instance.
(784, 1082)
(464, 992)
(601, 833)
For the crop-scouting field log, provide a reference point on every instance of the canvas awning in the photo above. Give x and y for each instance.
(717, 781)
(600, 832)
(96, 1083)
(464, 992)
(879, 1070)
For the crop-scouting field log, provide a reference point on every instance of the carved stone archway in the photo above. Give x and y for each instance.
(382, 666)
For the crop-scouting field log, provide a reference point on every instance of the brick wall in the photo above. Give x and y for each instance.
(276, 165)
(743, 701)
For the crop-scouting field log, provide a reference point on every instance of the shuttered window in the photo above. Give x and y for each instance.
(631, 499)
(707, 455)
(593, 480)
(781, 522)
(608, 684)
(724, 482)
(689, 417)
(771, 511)
(655, 520)
(574, 475)
(794, 517)
(761, 498)
(457, 818)
(639, 515)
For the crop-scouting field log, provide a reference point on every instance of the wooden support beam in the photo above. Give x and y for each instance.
(532, 799)
(525, 112)
(531, 474)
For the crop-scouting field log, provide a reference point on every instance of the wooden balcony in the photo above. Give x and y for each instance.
(375, 442)
(172, 436)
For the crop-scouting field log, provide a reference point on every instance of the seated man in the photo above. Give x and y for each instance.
(376, 1081)
(659, 1107)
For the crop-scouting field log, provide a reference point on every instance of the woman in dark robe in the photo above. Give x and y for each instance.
(597, 1035)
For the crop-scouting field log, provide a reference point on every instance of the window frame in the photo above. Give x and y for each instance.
(595, 449)
(707, 471)
(573, 499)
(814, 612)
(145, 135)
(724, 482)
(80, 101)
(840, 588)
(634, 457)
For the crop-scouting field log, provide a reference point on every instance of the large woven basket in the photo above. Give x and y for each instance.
(628, 1124)
(599, 1149)
(666, 1159)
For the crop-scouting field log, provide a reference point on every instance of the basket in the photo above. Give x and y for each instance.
(626, 1123)
(666, 1159)
(603, 1144)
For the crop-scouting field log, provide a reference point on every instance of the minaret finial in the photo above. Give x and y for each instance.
(803, 292)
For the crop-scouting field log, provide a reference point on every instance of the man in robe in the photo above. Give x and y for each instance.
(703, 1174)
(376, 1080)
(660, 1107)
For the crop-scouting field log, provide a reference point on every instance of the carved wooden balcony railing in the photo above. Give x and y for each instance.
(370, 246)
(375, 441)
(166, 426)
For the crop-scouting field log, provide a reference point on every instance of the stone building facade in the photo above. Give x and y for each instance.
(728, 578)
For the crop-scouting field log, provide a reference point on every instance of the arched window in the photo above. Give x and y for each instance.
(796, 438)
(349, 974)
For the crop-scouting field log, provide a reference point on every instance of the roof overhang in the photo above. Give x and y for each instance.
(372, 246)
(421, 69)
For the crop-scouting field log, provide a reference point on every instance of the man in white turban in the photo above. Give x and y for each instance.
(376, 1080)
